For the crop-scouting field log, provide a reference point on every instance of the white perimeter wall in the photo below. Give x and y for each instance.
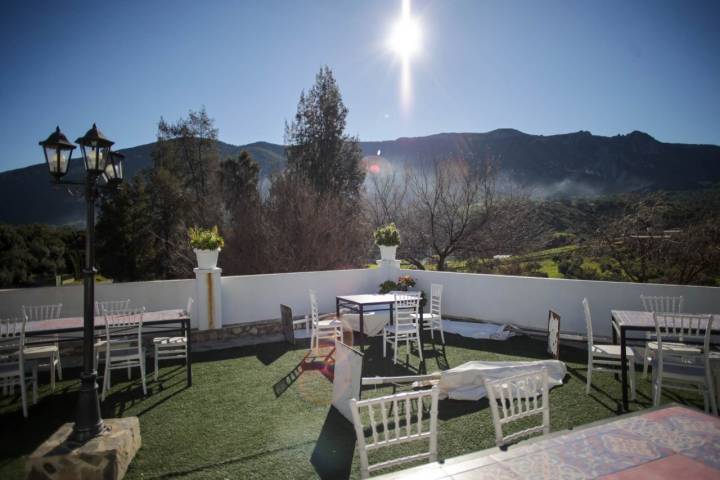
(524, 301)
(250, 298)
(157, 295)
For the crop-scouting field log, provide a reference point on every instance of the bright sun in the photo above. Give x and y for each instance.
(406, 35)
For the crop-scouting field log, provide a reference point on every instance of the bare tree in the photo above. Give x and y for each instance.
(385, 200)
(449, 203)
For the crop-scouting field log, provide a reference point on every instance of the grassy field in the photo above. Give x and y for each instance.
(245, 416)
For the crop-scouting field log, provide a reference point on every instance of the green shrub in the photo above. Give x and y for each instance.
(387, 236)
(205, 239)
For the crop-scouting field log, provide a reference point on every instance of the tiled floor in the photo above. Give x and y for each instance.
(671, 442)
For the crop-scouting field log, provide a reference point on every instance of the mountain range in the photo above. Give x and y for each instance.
(573, 164)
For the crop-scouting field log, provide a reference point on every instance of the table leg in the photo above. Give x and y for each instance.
(188, 359)
(614, 339)
(362, 330)
(337, 308)
(623, 369)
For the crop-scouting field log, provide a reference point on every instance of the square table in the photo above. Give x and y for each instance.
(156, 320)
(360, 303)
(624, 321)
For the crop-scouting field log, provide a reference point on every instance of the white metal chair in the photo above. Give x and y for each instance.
(679, 368)
(606, 358)
(520, 396)
(123, 346)
(432, 320)
(171, 348)
(659, 304)
(13, 369)
(405, 325)
(396, 419)
(322, 329)
(41, 349)
(109, 307)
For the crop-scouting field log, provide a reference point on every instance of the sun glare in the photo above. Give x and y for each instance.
(405, 37)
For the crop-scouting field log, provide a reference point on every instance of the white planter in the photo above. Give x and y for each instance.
(207, 258)
(387, 253)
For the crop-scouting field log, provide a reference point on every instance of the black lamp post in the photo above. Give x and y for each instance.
(100, 162)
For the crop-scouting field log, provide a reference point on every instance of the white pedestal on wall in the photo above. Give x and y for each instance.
(208, 300)
(390, 269)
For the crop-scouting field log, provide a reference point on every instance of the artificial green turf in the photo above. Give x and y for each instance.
(241, 420)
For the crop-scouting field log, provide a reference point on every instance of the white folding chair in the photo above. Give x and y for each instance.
(658, 304)
(679, 368)
(13, 370)
(171, 348)
(38, 349)
(123, 346)
(520, 396)
(432, 320)
(330, 329)
(405, 325)
(110, 307)
(606, 358)
(393, 420)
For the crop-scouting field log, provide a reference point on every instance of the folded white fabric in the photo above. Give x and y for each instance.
(477, 330)
(466, 382)
(373, 322)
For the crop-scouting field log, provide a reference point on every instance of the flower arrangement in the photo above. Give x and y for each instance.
(387, 236)
(205, 239)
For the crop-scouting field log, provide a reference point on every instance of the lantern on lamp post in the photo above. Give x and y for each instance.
(99, 161)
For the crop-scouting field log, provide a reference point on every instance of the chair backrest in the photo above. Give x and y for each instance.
(519, 397)
(111, 306)
(286, 317)
(588, 322)
(12, 341)
(395, 419)
(406, 307)
(683, 327)
(314, 311)
(554, 334)
(662, 304)
(435, 298)
(125, 324)
(41, 312)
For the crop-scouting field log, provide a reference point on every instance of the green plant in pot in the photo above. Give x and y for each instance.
(388, 239)
(207, 243)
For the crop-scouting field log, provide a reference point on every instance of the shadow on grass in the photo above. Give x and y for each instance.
(333, 454)
(323, 363)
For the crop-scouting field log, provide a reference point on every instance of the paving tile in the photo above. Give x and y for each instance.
(494, 471)
(544, 465)
(670, 468)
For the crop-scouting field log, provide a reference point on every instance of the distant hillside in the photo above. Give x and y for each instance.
(574, 164)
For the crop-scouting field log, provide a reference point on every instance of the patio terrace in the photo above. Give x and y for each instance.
(251, 413)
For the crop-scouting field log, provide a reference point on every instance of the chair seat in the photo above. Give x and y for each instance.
(675, 347)
(611, 351)
(126, 354)
(692, 372)
(329, 323)
(169, 340)
(401, 329)
(427, 316)
(117, 341)
(40, 351)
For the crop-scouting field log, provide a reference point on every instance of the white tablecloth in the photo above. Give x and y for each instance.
(373, 322)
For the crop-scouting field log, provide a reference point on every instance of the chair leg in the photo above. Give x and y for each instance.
(142, 373)
(646, 362)
(442, 333)
(419, 346)
(35, 382)
(23, 396)
(156, 363)
(709, 385)
(53, 364)
(657, 389)
(395, 349)
(384, 344)
(106, 378)
(589, 379)
(58, 365)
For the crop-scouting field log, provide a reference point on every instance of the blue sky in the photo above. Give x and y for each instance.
(543, 67)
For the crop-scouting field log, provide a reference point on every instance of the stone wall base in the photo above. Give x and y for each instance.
(105, 457)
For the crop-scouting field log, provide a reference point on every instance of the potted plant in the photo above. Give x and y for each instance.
(387, 238)
(207, 244)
